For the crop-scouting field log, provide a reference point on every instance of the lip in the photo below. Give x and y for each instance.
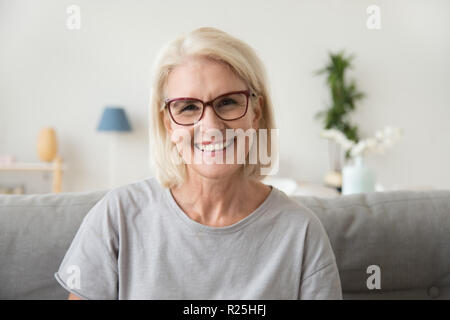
(226, 143)
(209, 142)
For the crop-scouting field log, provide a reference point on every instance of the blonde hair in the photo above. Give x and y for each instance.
(218, 45)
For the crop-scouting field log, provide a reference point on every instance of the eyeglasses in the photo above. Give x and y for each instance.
(229, 106)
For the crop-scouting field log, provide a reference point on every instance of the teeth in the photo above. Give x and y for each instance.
(214, 146)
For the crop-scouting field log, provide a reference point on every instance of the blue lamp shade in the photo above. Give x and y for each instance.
(114, 119)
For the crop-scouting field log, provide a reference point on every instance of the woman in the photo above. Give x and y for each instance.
(205, 227)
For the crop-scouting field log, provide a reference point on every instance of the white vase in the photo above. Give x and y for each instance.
(357, 178)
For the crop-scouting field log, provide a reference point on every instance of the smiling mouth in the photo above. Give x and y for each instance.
(214, 147)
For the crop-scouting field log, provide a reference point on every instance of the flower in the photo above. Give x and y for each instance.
(382, 140)
(338, 137)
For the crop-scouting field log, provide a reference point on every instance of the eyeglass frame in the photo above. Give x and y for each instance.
(168, 101)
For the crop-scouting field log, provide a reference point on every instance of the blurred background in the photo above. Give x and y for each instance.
(55, 73)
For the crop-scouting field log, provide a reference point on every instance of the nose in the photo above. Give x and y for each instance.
(210, 120)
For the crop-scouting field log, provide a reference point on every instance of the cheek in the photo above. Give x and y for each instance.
(244, 123)
(181, 136)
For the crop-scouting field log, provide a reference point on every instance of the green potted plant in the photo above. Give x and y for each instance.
(344, 95)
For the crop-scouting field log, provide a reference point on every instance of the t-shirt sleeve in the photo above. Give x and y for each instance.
(89, 267)
(320, 276)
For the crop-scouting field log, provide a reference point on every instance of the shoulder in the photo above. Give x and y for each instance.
(136, 194)
(298, 221)
(126, 201)
(307, 227)
(294, 212)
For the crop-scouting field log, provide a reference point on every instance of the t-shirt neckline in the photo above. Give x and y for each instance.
(220, 230)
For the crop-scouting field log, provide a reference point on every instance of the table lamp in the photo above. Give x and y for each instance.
(114, 120)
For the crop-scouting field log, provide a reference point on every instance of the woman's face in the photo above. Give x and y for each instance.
(207, 79)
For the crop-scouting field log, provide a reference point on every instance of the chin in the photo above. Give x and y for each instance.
(215, 171)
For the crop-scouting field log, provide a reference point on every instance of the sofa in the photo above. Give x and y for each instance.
(404, 234)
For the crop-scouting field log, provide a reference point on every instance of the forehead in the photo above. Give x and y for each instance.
(203, 78)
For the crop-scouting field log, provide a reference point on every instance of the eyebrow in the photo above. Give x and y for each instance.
(187, 97)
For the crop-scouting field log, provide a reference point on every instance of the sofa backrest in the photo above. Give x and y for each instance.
(35, 233)
(405, 233)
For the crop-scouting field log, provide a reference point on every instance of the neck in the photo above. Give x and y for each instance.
(219, 201)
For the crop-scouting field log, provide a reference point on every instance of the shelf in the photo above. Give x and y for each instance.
(56, 168)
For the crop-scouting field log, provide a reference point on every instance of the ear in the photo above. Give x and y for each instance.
(257, 111)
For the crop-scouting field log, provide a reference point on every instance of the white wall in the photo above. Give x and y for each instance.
(51, 76)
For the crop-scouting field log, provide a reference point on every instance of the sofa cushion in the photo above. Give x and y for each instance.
(405, 233)
(35, 233)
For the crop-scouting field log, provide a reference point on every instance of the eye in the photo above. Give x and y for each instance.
(226, 101)
(190, 107)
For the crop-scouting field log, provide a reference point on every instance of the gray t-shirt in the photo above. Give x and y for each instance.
(137, 243)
